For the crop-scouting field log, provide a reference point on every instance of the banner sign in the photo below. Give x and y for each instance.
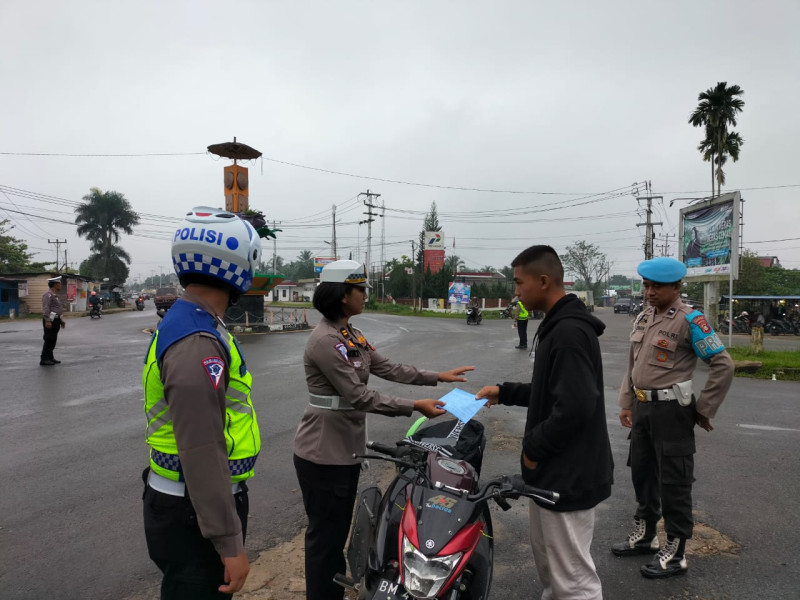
(458, 293)
(710, 237)
(321, 261)
(434, 240)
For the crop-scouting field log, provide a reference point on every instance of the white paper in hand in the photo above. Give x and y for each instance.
(461, 404)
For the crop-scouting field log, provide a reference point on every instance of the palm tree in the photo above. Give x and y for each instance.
(716, 110)
(453, 264)
(100, 219)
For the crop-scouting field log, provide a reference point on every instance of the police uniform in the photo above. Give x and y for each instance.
(658, 388)
(202, 428)
(338, 362)
(51, 313)
(204, 441)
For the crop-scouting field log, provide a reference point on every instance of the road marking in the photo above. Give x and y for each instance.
(766, 427)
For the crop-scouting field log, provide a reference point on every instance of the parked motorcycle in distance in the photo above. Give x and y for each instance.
(474, 316)
(429, 535)
(139, 303)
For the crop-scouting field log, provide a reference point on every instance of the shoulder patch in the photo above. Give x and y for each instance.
(705, 341)
(342, 349)
(215, 367)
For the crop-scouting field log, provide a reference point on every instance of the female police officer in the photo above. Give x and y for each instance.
(338, 362)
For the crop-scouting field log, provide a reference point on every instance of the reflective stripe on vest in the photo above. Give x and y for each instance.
(242, 437)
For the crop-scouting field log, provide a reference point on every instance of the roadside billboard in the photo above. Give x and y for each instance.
(458, 293)
(709, 244)
(321, 261)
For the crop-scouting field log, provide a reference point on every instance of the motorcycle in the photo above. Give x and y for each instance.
(94, 311)
(139, 303)
(780, 327)
(505, 313)
(474, 315)
(430, 534)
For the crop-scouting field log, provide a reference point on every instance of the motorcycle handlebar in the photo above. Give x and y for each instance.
(383, 449)
(524, 489)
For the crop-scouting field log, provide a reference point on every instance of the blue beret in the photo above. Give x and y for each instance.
(662, 270)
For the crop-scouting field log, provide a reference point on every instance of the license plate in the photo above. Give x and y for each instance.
(388, 590)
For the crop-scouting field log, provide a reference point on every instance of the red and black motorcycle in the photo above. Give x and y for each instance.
(430, 534)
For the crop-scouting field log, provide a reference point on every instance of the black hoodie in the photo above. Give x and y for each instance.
(566, 432)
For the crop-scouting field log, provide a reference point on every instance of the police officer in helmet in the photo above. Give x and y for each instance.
(201, 425)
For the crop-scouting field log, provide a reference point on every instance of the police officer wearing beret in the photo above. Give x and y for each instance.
(338, 361)
(657, 402)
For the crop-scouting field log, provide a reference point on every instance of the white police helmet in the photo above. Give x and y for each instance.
(218, 244)
(345, 271)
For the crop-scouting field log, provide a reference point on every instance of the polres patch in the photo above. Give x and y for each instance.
(215, 367)
(701, 322)
(661, 356)
(342, 349)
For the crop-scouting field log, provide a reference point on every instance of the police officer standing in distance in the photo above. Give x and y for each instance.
(201, 425)
(658, 404)
(51, 321)
(338, 361)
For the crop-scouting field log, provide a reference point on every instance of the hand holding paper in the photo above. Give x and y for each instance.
(461, 404)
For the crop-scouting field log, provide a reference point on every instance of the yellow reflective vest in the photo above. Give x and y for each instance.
(241, 426)
(523, 313)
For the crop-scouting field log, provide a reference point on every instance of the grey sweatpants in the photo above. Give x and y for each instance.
(561, 544)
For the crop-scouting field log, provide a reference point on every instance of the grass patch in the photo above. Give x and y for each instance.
(784, 364)
(402, 310)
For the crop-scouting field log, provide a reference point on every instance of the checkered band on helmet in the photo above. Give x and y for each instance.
(219, 244)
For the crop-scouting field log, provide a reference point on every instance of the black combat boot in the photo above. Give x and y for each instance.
(642, 540)
(669, 561)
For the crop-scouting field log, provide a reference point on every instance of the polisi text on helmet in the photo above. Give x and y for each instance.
(205, 235)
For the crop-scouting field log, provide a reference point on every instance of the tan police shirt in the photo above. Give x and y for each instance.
(51, 303)
(662, 354)
(197, 409)
(338, 362)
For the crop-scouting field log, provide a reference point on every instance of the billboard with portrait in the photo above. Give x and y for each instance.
(709, 244)
(458, 293)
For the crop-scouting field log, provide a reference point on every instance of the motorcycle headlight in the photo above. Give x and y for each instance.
(424, 577)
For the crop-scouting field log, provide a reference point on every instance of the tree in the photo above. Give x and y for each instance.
(302, 268)
(588, 263)
(751, 275)
(453, 264)
(716, 110)
(100, 219)
(265, 266)
(14, 255)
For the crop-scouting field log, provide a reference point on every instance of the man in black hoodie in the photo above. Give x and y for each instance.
(565, 447)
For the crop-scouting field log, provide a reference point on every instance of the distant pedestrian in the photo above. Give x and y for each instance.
(51, 321)
(658, 404)
(520, 316)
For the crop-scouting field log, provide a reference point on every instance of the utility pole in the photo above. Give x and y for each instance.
(665, 246)
(648, 241)
(413, 276)
(58, 243)
(333, 244)
(368, 203)
(275, 246)
(383, 249)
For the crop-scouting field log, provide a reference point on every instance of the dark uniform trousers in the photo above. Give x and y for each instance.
(50, 337)
(522, 330)
(191, 566)
(662, 464)
(329, 494)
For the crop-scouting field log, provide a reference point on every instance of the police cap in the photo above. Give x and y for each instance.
(345, 271)
(662, 270)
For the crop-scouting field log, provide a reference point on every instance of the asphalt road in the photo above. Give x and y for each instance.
(72, 450)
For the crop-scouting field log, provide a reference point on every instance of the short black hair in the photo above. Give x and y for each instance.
(188, 279)
(541, 260)
(328, 298)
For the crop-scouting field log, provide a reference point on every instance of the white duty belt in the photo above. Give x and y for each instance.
(682, 392)
(176, 488)
(329, 402)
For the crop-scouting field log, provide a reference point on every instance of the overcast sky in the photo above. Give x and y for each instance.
(555, 101)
